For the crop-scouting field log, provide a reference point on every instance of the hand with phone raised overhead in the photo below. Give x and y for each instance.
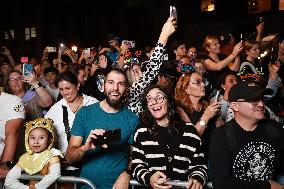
(238, 48)
(168, 29)
(30, 78)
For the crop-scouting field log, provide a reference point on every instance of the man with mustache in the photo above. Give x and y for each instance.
(245, 151)
(104, 164)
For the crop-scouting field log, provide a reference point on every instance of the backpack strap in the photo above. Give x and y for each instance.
(66, 122)
(229, 130)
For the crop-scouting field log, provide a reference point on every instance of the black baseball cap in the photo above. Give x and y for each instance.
(247, 90)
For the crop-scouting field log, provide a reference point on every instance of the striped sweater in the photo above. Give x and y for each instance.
(178, 156)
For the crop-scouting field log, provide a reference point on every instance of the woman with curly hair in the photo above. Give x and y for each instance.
(164, 148)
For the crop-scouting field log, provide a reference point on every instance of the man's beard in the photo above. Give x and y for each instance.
(114, 103)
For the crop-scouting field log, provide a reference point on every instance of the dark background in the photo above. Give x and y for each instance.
(86, 23)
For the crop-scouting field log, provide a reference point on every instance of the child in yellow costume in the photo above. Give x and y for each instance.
(41, 158)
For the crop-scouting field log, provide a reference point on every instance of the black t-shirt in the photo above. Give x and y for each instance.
(250, 163)
(213, 76)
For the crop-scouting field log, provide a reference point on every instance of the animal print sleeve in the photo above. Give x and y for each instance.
(152, 70)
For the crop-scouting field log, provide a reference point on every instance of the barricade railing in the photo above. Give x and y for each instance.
(134, 183)
(91, 185)
(66, 179)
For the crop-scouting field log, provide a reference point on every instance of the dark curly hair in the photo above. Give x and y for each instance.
(147, 120)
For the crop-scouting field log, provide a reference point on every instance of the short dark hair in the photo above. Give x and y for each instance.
(78, 68)
(176, 44)
(118, 71)
(50, 69)
(67, 76)
(222, 79)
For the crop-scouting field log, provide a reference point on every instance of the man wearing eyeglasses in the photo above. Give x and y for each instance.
(244, 152)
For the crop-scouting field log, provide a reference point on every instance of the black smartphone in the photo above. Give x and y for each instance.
(108, 137)
(273, 55)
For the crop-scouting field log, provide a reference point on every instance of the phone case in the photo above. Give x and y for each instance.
(27, 69)
(109, 136)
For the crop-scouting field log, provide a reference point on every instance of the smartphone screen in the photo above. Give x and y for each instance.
(27, 69)
(173, 12)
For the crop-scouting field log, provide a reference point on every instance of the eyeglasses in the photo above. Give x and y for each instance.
(254, 102)
(157, 99)
(16, 79)
(198, 82)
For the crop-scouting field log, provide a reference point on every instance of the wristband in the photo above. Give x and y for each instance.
(38, 85)
(8, 164)
(202, 123)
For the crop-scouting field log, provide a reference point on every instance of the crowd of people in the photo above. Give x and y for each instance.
(112, 115)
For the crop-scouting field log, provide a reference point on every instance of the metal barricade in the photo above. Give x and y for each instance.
(134, 183)
(67, 179)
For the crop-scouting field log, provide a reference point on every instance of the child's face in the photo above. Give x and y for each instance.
(38, 140)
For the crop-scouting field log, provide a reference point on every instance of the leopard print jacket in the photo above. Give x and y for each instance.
(152, 70)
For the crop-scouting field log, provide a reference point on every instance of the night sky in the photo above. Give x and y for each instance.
(87, 22)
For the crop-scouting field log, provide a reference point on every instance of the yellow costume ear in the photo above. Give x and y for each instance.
(40, 123)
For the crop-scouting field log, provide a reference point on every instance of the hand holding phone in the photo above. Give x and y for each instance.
(87, 52)
(110, 136)
(129, 44)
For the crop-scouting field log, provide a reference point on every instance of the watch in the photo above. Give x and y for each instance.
(8, 164)
(38, 85)
(202, 123)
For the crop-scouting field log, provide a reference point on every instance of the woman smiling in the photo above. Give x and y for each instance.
(164, 148)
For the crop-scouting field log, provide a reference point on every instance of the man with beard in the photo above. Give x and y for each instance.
(245, 152)
(105, 164)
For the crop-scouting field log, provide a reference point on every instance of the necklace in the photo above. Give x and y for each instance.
(79, 102)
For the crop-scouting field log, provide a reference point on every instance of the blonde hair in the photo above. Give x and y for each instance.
(209, 40)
